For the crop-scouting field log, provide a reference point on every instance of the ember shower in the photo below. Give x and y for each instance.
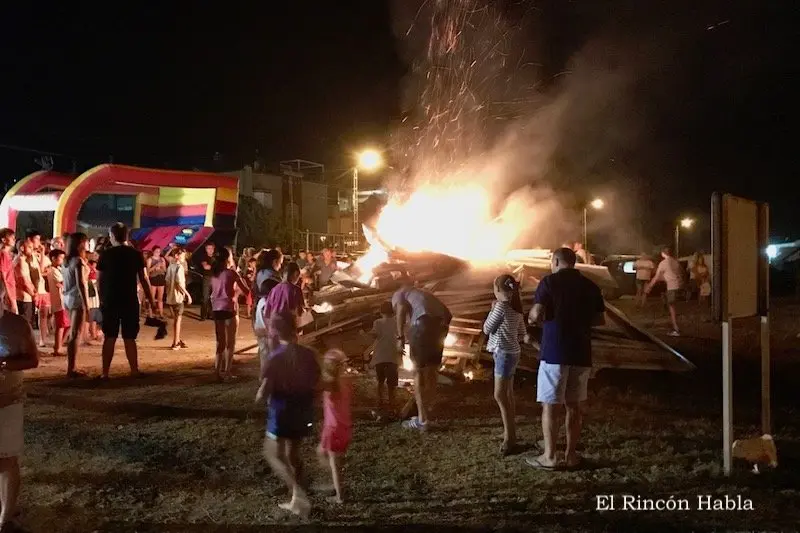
(476, 138)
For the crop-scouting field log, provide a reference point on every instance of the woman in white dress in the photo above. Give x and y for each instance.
(18, 352)
(702, 276)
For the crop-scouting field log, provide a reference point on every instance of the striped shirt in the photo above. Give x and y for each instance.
(505, 328)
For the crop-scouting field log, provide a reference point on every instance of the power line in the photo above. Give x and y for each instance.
(34, 150)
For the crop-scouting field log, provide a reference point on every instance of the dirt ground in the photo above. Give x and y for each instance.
(176, 451)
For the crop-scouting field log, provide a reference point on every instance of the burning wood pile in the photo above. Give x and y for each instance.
(348, 307)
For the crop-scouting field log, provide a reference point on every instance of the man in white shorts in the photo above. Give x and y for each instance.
(18, 352)
(670, 272)
(568, 305)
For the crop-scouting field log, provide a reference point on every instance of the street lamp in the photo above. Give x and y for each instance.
(596, 204)
(367, 160)
(685, 223)
(370, 160)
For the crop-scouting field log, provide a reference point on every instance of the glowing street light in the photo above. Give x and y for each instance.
(596, 204)
(368, 160)
(772, 251)
(685, 223)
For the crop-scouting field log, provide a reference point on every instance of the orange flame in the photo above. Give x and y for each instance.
(456, 220)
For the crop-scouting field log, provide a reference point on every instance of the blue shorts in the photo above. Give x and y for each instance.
(505, 364)
(561, 384)
(290, 416)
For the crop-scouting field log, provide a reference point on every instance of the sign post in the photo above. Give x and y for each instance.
(740, 235)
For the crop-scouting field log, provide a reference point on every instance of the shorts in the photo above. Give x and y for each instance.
(290, 416)
(336, 439)
(11, 435)
(177, 309)
(505, 364)
(705, 289)
(560, 384)
(42, 301)
(158, 281)
(116, 318)
(387, 373)
(95, 315)
(426, 341)
(672, 296)
(61, 319)
(223, 315)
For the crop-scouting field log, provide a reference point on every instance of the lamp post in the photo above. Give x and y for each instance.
(367, 160)
(685, 223)
(596, 204)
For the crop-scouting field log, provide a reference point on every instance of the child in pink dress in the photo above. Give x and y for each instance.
(337, 429)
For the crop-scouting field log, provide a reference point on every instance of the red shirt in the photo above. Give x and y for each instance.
(7, 273)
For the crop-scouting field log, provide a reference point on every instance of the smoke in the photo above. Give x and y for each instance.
(480, 112)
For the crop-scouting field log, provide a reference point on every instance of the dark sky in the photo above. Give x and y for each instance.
(173, 83)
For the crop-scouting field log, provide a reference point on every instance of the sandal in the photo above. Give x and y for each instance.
(538, 465)
(507, 449)
(577, 465)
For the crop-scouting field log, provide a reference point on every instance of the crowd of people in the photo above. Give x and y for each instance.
(115, 284)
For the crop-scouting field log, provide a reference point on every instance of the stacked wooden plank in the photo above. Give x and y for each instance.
(468, 293)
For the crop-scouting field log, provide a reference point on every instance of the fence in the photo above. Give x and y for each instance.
(338, 242)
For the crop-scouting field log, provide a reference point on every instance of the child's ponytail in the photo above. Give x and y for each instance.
(510, 286)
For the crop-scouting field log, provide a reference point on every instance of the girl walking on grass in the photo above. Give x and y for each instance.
(505, 326)
(76, 296)
(177, 295)
(157, 272)
(223, 294)
(288, 383)
(337, 429)
(94, 332)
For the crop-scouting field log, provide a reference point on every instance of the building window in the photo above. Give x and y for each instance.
(264, 198)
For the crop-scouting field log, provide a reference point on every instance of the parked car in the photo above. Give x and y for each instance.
(621, 267)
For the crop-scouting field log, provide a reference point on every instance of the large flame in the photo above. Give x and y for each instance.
(456, 220)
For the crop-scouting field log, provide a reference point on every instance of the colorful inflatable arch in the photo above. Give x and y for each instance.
(163, 197)
(27, 195)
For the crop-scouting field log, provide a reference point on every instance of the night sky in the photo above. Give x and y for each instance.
(171, 85)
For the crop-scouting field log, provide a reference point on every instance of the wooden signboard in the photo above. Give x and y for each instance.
(740, 279)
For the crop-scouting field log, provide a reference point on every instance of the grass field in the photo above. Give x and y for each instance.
(177, 451)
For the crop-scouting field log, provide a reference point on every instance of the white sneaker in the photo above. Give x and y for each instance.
(674, 333)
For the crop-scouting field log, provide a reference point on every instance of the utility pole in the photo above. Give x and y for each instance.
(356, 227)
(291, 212)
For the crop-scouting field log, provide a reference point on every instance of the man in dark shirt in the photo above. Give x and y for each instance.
(207, 258)
(119, 270)
(568, 304)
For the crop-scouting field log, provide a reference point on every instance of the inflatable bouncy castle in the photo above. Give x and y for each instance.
(169, 206)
